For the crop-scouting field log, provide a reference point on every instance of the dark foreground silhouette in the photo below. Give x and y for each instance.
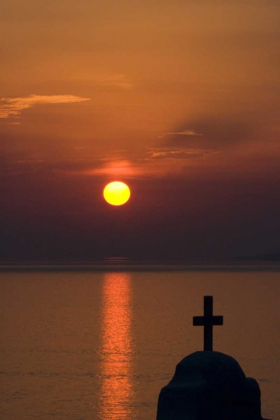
(209, 385)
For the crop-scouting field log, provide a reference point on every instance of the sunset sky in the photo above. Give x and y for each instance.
(179, 99)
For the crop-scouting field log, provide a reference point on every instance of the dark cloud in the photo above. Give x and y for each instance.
(217, 133)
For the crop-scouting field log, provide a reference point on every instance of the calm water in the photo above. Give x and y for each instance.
(99, 346)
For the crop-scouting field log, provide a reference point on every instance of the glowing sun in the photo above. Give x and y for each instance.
(116, 193)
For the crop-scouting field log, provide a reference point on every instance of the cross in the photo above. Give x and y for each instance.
(208, 320)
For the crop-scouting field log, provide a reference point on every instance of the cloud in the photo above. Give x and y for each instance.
(182, 133)
(171, 154)
(219, 133)
(156, 162)
(13, 107)
(117, 168)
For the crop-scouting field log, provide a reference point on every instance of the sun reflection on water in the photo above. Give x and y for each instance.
(116, 366)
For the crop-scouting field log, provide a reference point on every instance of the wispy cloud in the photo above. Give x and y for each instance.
(146, 163)
(150, 163)
(179, 153)
(13, 107)
(117, 168)
(181, 133)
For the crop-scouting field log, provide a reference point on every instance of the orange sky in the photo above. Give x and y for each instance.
(142, 91)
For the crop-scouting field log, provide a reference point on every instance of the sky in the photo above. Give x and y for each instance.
(179, 99)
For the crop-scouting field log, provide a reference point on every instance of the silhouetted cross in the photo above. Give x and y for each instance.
(208, 320)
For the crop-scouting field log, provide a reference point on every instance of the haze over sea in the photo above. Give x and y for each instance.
(99, 342)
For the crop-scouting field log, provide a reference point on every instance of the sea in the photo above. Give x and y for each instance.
(98, 342)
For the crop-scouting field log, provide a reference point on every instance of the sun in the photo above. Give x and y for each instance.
(116, 193)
